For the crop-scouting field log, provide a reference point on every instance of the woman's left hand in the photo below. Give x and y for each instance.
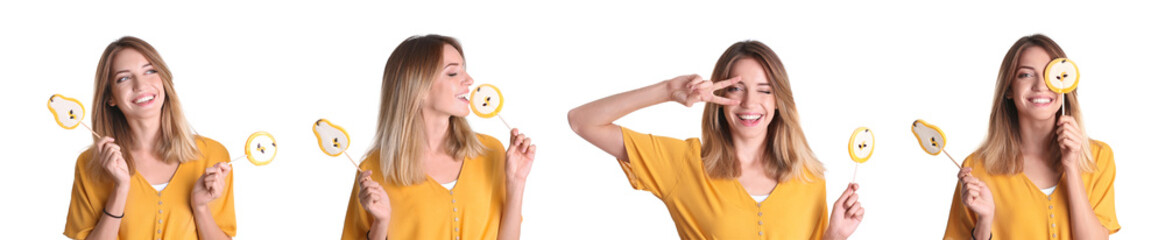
(519, 157)
(210, 185)
(1071, 141)
(847, 214)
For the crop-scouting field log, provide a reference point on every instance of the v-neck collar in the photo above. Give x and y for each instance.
(460, 175)
(173, 176)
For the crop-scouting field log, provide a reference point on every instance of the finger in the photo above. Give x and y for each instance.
(854, 186)
(851, 201)
(725, 83)
(533, 149)
(723, 100)
(852, 211)
(513, 136)
(860, 213)
(526, 141)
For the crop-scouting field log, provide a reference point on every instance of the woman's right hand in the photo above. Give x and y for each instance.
(113, 161)
(976, 195)
(691, 89)
(373, 197)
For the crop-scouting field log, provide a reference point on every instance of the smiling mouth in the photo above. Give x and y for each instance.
(144, 99)
(749, 119)
(463, 97)
(1040, 100)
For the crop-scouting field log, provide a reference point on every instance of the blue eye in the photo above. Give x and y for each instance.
(733, 89)
(151, 71)
(121, 79)
(1025, 75)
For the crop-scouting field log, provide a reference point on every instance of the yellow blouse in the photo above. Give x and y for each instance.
(1022, 211)
(712, 208)
(471, 210)
(150, 214)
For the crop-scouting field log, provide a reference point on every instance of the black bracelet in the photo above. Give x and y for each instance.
(989, 237)
(111, 215)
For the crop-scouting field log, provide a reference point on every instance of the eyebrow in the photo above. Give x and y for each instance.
(452, 64)
(1028, 67)
(124, 70)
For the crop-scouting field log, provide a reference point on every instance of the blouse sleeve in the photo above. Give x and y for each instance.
(656, 163)
(960, 220)
(1101, 195)
(86, 204)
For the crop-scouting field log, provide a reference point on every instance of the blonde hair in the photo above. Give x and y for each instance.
(408, 75)
(177, 143)
(787, 154)
(1001, 150)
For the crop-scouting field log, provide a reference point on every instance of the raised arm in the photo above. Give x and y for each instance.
(594, 121)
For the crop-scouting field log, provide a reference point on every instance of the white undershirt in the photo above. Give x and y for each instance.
(161, 186)
(1048, 191)
(450, 184)
(759, 198)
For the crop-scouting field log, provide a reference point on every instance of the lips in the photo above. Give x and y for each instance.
(463, 97)
(144, 99)
(1041, 101)
(749, 119)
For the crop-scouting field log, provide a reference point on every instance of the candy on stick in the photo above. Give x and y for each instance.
(861, 147)
(486, 102)
(1061, 75)
(260, 148)
(333, 139)
(931, 139)
(68, 112)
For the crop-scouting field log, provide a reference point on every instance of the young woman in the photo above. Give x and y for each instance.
(1037, 176)
(428, 176)
(751, 175)
(150, 177)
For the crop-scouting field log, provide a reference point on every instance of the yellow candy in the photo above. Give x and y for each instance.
(1061, 75)
(486, 101)
(861, 145)
(333, 139)
(261, 148)
(66, 111)
(930, 137)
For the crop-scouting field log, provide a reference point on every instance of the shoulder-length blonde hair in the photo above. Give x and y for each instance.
(787, 154)
(1001, 150)
(408, 75)
(177, 143)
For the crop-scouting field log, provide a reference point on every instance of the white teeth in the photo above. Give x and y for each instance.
(1042, 100)
(144, 99)
(749, 116)
(463, 96)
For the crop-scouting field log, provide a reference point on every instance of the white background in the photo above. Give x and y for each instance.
(244, 67)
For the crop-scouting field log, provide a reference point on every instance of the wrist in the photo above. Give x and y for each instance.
(832, 234)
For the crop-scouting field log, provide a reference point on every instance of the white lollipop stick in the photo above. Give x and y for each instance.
(352, 160)
(1063, 97)
(855, 178)
(504, 122)
(232, 162)
(90, 129)
(952, 160)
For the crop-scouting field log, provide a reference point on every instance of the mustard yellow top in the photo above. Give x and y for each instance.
(150, 214)
(1022, 211)
(710, 208)
(471, 210)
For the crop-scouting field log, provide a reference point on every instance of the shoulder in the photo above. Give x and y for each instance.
(211, 151)
(1101, 153)
(489, 142)
(371, 161)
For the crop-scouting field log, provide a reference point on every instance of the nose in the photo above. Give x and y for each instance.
(1039, 85)
(468, 80)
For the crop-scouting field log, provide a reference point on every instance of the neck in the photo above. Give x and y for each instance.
(749, 151)
(436, 133)
(146, 133)
(1035, 135)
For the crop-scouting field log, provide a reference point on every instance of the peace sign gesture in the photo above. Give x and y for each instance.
(691, 89)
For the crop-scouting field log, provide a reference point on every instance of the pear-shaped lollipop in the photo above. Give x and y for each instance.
(486, 102)
(861, 147)
(1061, 75)
(333, 139)
(68, 112)
(931, 139)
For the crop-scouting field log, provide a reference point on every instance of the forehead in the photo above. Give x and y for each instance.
(1034, 56)
(750, 70)
(128, 57)
(451, 55)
